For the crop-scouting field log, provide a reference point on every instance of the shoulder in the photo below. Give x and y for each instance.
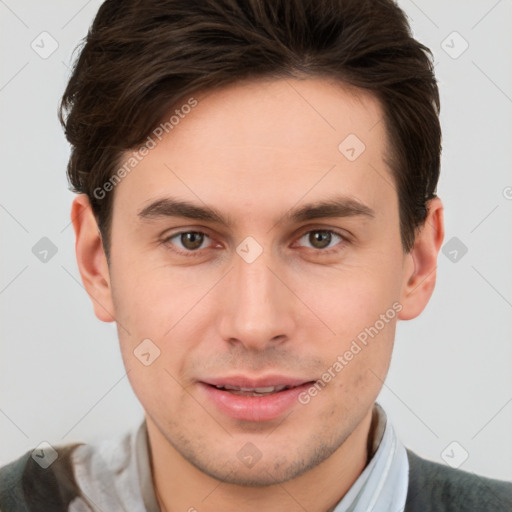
(102, 474)
(37, 477)
(440, 488)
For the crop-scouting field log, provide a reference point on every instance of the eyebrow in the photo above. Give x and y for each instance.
(339, 206)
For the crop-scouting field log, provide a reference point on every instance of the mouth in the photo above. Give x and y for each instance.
(261, 391)
(254, 400)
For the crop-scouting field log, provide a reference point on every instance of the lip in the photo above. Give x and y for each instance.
(254, 408)
(242, 381)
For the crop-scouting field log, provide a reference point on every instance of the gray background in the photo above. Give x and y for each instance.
(62, 377)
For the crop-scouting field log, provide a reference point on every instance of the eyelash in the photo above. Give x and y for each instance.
(198, 252)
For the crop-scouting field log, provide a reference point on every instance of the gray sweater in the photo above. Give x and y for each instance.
(434, 487)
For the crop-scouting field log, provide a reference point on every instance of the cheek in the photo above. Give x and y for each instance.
(361, 308)
(151, 298)
(351, 300)
(154, 366)
(158, 311)
(355, 368)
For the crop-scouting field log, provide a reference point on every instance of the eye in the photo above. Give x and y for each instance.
(190, 243)
(321, 239)
(187, 241)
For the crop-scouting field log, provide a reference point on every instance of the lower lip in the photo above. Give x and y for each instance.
(254, 408)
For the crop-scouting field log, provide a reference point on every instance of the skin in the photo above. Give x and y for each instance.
(254, 151)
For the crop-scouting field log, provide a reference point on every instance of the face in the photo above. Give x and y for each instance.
(257, 246)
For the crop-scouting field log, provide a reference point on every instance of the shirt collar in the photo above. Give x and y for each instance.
(382, 486)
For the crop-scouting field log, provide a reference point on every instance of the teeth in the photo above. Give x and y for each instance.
(254, 391)
(269, 389)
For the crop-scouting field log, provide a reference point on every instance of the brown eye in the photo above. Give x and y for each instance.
(322, 239)
(191, 240)
(186, 242)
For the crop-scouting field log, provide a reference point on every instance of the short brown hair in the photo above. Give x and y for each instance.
(140, 57)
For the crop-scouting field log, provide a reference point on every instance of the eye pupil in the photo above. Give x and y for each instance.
(320, 239)
(192, 240)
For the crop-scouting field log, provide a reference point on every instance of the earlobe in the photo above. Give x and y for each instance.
(420, 270)
(91, 258)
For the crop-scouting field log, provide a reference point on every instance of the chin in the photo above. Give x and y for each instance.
(260, 472)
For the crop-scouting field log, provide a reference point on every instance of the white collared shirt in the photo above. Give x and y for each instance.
(383, 484)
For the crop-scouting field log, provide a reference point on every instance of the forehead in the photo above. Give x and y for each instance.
(264, 143)
(308, 117)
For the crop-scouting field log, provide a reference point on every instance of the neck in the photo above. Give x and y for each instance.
(181, 486)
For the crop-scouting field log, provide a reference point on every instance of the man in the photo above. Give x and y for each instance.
(256, 211)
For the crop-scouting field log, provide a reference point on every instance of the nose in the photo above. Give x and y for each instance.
(257, 308)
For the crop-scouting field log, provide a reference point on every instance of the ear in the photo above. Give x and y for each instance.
(421, 263)
(91, 259)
